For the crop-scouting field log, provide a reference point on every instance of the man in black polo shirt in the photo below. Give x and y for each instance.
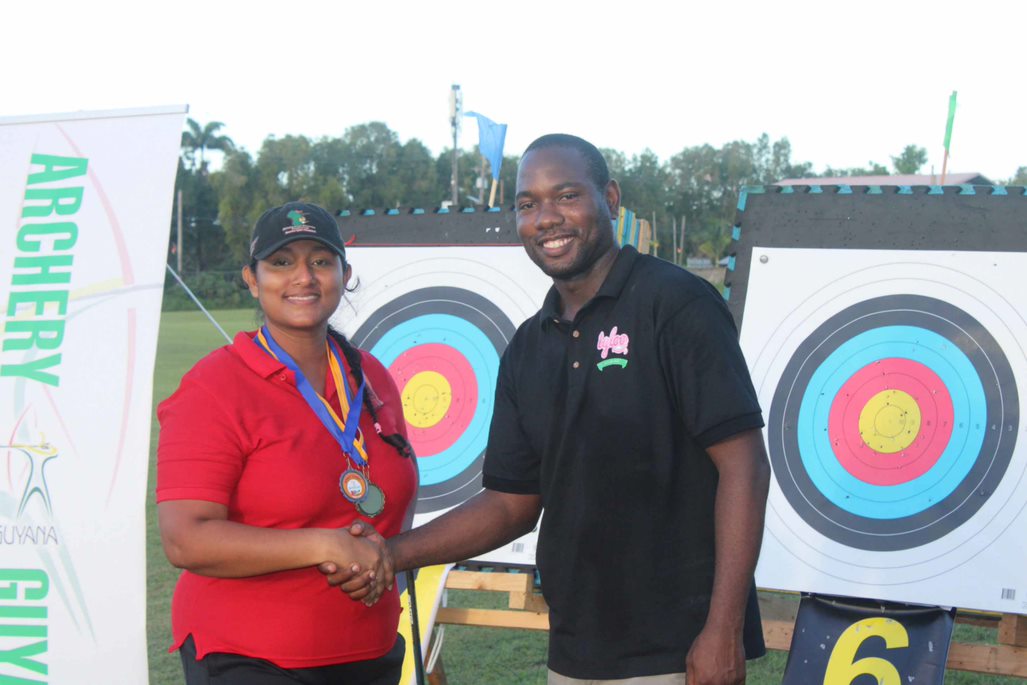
(624, 408)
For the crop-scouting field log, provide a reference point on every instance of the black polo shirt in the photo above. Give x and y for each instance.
(608, 417)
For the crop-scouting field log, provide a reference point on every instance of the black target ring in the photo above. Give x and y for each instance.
(478, 331)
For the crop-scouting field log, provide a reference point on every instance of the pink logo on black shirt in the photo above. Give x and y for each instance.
(614, 342)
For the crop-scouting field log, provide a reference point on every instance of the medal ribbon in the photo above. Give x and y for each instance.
(347, 433)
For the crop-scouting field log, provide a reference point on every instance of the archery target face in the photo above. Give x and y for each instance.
(892, 385)
(442, 346)
(439, 319)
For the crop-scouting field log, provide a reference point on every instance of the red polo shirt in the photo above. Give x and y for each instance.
(238, 432)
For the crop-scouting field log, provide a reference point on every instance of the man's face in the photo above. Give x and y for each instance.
(562, 218)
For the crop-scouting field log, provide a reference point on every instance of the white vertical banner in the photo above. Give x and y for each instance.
(85, 207)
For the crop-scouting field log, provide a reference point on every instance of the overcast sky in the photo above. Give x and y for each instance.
(844, 82)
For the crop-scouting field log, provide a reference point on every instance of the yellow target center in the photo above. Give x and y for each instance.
(426, 399)
(890, 421)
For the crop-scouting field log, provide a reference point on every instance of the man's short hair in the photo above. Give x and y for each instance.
(595, 164)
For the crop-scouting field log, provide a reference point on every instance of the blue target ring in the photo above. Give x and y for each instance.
(476, 348)
(477, 332)
(905, 499)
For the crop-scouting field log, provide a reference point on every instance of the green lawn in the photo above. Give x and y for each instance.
(471, 656)
(185, 337)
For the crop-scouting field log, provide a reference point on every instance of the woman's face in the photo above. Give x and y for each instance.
(299, 286)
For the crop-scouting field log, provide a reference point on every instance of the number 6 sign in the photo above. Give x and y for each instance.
(838, 642)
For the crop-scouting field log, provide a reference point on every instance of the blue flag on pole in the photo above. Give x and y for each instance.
(491, 137)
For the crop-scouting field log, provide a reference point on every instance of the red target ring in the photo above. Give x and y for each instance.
(440, 395)
(895, 383)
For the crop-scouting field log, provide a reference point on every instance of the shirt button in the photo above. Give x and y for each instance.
(576, 334)
(281, 376)
(575, 365)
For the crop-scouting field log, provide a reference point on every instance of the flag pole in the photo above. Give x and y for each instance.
(948, 135)
(492, 194)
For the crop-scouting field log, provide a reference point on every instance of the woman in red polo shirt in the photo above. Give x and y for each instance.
(269, 450)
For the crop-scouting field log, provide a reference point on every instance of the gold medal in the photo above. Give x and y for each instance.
(354, 486)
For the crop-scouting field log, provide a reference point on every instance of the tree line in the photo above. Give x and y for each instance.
(691, 197)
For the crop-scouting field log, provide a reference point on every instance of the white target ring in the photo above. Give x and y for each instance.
(852, 540)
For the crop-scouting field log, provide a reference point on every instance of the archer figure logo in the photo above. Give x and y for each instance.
(38, 456)
(299, 223)
(615, 342)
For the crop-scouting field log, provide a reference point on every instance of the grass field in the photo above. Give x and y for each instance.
(471, 656)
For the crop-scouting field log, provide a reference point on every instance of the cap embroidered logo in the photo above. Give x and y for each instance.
(299, 223)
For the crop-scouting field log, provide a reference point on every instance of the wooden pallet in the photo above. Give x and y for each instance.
(527, 610)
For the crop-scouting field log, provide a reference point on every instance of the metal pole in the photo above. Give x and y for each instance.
(178, 247)
(481, 180)
(454, 113)
(681, 243)
(653, 238)
(415, 628)
(674, 239)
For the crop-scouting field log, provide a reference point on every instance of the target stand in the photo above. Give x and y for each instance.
(885, 331)
(439, 296)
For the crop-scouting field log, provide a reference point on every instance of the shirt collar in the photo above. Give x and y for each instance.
(266, 366)
(262, 363)
(612, 285)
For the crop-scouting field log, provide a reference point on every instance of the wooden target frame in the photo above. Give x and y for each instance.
(439, 296)
(885, 335)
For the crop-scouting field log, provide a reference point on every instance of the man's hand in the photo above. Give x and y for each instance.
(363, 584)
(716, 658)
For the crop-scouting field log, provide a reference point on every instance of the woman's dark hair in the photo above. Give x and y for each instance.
(355, 363)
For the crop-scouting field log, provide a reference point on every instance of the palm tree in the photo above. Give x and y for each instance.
(202, 138)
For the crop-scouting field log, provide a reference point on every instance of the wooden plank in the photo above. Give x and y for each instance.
(493, 618)
(778, 634)
(520, 586)
(1012, 630)
(777, 606)
(494, 582)
(993, 659)
(529, 601)
(1007, 658)
(980, 619)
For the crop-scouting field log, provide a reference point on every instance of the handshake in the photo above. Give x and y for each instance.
(370, 573)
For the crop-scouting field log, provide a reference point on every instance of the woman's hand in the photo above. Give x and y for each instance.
(361, 580)
(198, 537)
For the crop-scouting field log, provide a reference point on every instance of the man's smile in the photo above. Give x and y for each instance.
(556, 245)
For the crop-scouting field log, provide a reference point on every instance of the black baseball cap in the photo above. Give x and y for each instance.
(279, 226)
